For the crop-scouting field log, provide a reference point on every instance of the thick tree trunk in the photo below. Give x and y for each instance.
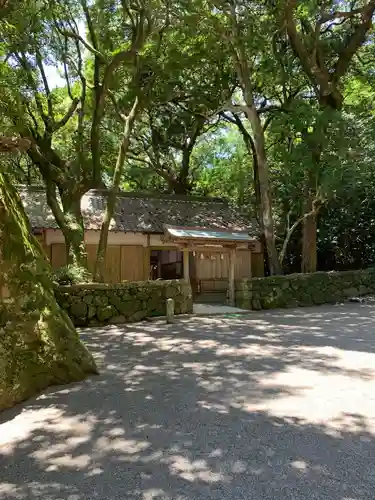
(70, 221)
(111, 200)
(310, 224)
(309, 245)
(75, 233)
(183, 185)
(256, 186)
(266, 216)
(38, 343)
(67, 214)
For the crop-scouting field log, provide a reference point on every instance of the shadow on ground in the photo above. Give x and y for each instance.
(272, 405)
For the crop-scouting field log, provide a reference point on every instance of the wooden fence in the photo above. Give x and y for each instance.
(123, 263)
(215, 265)
(132, 263)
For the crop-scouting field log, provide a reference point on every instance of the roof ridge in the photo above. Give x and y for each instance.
(142, 212)
(139, 195)
(161, 196)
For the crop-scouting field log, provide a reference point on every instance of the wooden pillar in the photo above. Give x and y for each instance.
(146, 259)
(232, 266)
(185, 254)
(146, 263)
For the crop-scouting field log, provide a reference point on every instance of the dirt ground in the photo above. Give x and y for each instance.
(270, 405)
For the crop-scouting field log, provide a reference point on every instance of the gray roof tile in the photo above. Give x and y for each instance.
(142, 213)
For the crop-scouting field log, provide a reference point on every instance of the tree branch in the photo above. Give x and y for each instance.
(39, 63)
(339, 15)
(68, 115)
(120, 115)
(88, 46)
(26, 67)
(354, 41)
(317, 204)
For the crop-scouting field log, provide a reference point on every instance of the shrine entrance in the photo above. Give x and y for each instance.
(210, 259)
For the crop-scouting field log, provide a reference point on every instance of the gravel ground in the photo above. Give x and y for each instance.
(269, 405)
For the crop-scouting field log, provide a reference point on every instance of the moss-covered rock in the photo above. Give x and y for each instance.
(78, 310)
(104, 313)
(91, 311)
(100, 299)
(88, 299)
(38, 343)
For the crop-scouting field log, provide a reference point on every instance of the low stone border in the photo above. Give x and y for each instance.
(295, 290)
(94, 303)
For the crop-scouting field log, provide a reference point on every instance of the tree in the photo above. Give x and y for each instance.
(148, 23)
(64, 125)
(39, 345)
(325, 41)
(194, 79)
(223, 168)
(242, 29)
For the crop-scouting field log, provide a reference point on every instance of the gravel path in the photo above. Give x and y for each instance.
(273, 405)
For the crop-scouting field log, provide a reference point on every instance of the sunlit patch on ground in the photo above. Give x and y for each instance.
(271, 405)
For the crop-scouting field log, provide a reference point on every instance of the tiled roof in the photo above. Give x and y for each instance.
(142, 213)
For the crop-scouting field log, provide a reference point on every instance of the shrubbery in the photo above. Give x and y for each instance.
(71, 275)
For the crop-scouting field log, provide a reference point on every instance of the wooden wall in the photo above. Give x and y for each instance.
(215, 265)
(257, 265)
(123, 263)
(131, 262)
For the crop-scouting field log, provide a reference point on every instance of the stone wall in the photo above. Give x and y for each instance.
(303, 289)
(91, 304)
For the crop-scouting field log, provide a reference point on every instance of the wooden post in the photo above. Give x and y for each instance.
(146, 259)
(232, 263)
(185, 254)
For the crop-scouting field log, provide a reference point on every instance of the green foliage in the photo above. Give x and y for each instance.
(71, 275)
(186, 74)
(222, 167)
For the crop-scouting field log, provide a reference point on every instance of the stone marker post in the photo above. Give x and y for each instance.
(170, 310)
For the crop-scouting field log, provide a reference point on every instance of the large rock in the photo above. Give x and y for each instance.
(78, 310)
(38, 343)
(105, 313)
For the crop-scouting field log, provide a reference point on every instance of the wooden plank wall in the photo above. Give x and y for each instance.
(215, 265)
(257, 265)
(131, 263)
(123, 263)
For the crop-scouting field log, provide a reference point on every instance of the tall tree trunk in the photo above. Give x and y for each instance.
(310, 222)
(266, 216)
(244, 73)
(180, 184)
(38, 343)
(183, 179)
(112, 195)
(256, 186)
(75, 235)
(309, 227)
(68, 216)
(250, 146)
